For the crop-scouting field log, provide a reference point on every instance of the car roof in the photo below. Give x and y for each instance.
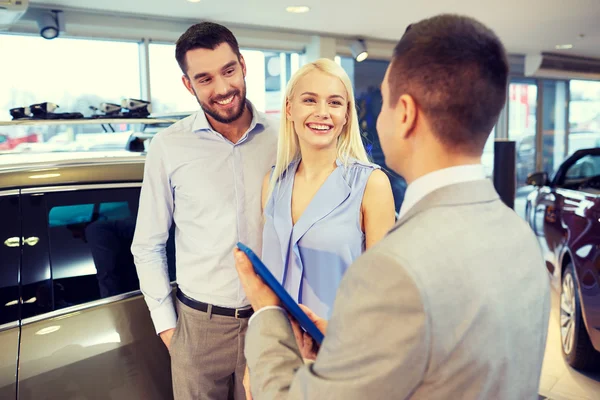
(57, 169)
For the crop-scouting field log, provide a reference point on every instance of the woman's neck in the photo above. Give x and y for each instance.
(315, 164)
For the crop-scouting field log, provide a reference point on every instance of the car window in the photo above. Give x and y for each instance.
(10, 236)
(586, 167)
(84, 213)
(90, 234)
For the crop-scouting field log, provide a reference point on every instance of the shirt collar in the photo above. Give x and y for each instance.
(201, 122)
(426, 184)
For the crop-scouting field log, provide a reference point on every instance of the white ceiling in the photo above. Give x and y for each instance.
(525, 26)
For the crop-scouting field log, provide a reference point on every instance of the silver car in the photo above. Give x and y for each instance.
(73, 323)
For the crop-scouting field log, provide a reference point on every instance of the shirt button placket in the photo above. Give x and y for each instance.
(238, 177)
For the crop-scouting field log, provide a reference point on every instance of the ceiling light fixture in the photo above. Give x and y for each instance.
(359, 50)
(297, 9)
(564, 46)
(51, 24)
(194, 1)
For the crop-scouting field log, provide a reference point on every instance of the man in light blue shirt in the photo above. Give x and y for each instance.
(204, 174)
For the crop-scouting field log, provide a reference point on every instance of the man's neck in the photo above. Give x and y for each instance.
(233, 131)
(440, 162)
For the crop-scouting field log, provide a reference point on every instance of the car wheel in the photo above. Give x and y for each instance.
(576, 345)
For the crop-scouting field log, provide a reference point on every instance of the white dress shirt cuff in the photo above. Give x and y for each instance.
(263, 309)
(164, 316)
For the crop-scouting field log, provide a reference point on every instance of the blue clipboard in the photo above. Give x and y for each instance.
(286, 300)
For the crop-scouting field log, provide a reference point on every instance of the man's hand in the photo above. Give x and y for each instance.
(321, 323)
(246, 383)
(259, 294)
(308, 347)
(166, 337)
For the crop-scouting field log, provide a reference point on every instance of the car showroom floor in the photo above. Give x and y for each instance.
(559, 381)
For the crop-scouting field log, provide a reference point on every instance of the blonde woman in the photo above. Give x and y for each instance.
(324, 202)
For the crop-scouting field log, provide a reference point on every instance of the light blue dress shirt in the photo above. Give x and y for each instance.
(211, 189)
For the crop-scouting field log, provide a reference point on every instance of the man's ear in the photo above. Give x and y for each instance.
(243, 64)
(405, 114)
(188, 85)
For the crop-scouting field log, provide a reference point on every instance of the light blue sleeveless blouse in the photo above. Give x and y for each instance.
(311, 257)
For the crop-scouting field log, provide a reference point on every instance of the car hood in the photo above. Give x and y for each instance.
(9, 159)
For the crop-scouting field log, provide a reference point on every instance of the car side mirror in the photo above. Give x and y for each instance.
(538, 179)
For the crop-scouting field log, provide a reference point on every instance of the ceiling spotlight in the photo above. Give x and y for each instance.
(297, 9)
(194, 1)
(359, 50)
(51, 24)
(564, 46)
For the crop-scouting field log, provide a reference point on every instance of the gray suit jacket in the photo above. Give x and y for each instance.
(452, 304)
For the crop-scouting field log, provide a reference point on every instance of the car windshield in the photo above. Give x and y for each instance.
(586, 167)
(84, 135)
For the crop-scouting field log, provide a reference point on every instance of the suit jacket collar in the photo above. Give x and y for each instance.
(438, 179)
(472, 192)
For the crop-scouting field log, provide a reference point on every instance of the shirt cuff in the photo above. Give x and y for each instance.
(164, 316)
(263, 309)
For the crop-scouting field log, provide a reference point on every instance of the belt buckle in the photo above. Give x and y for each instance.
(237, 311)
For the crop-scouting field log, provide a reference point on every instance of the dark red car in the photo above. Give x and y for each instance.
(565, 215)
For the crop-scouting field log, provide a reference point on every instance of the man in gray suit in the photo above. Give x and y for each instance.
(454, 302)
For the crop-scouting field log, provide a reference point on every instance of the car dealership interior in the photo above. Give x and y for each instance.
(86, 85)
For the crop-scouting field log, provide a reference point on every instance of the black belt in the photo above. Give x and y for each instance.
(200, 306)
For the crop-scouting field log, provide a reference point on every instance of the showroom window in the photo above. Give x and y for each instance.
(347, 63)
(554, 124)
(267, 74)
(73, 73)
(367, 78)
(584, 115)
(522, 105)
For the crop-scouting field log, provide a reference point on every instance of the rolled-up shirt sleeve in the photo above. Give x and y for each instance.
(154, 220)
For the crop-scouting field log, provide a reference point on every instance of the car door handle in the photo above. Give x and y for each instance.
(20, 301)
(14, 241)
(32, 240)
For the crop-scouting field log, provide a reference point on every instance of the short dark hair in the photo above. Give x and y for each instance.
(456, 69)
(205, 35)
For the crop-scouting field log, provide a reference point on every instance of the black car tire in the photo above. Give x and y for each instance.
(582, 355)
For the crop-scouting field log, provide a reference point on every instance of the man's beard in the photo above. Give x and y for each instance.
(229, 117)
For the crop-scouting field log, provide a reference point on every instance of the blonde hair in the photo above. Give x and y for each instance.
(349, 143)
